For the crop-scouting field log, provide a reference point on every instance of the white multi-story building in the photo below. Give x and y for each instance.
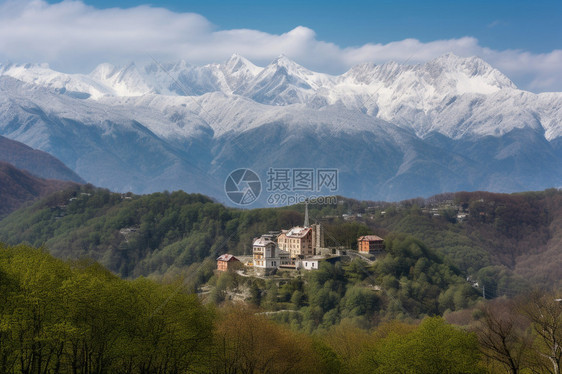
(267, 255)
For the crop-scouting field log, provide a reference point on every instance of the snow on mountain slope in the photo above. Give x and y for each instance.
(451, 95)
(76, 85)
(237, 73)
(284, 82)
(216, 114)
(414, 96)
(107, 146)
(549, 109)
(177, 78)
(126, 81)
(394, 131)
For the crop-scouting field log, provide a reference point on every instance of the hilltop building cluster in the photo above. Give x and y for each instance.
(296, 248)
(300, 247)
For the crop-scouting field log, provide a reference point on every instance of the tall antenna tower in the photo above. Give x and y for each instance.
(306, 223)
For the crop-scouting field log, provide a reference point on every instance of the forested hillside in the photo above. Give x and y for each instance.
(67, 317)
(410, 282)
(72, 314)
(508, 242)
(139, 235)
(60, 317)
(18, 187)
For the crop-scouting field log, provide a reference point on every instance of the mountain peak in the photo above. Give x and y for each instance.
(235, 57)
(291, 68)
(103, 71)
(473, 67)
(451, 61)
(389, 121)
(284, 61)
(361, 73)
(236, 63)
(124, 81)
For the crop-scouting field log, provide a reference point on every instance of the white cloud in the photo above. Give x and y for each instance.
(72, 36)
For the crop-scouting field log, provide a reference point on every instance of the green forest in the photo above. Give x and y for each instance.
(508, 242)
(139, 235)
(409, 283)
(123, 283)
(76, 317)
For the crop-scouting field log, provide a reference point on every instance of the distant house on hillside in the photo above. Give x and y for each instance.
(370, 244)
(227, 262)
(313, 263)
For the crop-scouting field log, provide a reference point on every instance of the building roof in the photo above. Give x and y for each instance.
(297, 232)
(370, 238)
(263, 241)
(226, 258)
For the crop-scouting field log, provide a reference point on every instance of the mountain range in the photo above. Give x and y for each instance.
(392, 131)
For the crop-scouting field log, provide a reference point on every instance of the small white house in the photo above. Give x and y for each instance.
(313, 263)
(310, 264)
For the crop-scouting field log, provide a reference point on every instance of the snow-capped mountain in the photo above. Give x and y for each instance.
(393, 131)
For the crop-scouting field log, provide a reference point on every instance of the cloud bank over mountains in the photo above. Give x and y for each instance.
(72, 36)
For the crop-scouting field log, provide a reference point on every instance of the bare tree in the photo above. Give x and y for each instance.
(503, 335)
(545, 313)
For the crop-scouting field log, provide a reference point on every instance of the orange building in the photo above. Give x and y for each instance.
(226, 262)
(370, 244)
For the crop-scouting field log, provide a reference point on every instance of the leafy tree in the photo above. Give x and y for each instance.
(249, 343)
(433, 347)
(60, 317)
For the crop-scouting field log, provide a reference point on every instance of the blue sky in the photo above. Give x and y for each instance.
(535, 26)
(523, 39)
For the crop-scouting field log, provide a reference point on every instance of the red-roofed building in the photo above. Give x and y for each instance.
(370, 244)
(226, 261)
